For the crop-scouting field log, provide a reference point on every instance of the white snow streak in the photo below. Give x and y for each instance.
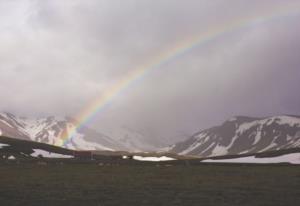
(153, 159)
(44, 153)
(3, 145)
(219, 150)
(288, 158)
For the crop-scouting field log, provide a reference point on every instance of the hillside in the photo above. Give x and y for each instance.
(243, 135)
(51, 129)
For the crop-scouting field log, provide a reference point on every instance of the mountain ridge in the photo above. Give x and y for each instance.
(51, 129)
(242, 134)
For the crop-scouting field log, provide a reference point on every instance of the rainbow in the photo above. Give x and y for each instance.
(171, 54)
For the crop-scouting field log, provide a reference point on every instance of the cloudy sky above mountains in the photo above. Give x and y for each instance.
(57, 56)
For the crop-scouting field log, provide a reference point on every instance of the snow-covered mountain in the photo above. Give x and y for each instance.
(243, 135)
(134, 139)
(50, 130)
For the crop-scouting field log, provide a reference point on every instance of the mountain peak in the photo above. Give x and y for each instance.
(51, 129)
(242, 119)
(242, 135)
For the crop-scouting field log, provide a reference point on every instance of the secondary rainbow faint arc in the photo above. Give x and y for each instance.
(181, 48)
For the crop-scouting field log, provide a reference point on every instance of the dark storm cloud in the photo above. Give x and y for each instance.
(56, 56)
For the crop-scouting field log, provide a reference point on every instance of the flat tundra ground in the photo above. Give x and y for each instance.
(153, 185)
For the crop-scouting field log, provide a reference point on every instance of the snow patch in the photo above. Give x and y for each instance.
(219, 150)
(273, 144)
(191, 148)
(43, 153)
(246, 126)
(257, 136)
(153, 159)
(11, 157)
(208, 148)
(3, 145)
(288, 158)
(292, 121)
(232, 141)
(201, 139)
(80, 143)
(4, 122)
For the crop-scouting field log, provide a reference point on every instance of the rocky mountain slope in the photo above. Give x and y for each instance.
(50, 130)
(243, 135)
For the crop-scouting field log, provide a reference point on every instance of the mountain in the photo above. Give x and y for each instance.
(133, 139)
(243, 135)
(51, 129)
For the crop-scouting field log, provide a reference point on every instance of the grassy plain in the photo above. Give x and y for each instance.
(149, 184)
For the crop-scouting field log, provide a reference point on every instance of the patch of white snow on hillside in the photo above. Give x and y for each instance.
(292, 121)
(44, 153)
(153, 159)
(68, 146)
(271, 145)
(289, 138)
(4, 122)
(296, 143)
(257, 136)
(232, 141)
(208, 148)
(78, 142)
(3, 145)
(219, 150)
(11, 157)
(246, 126)
(52, 139)
(293, 158)
(288, 120)
(201, 139)
(191, 148)
(34, 126)
(130, 139)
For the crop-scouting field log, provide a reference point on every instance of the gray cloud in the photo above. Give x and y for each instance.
(56, 56)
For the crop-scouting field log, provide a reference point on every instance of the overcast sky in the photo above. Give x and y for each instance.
(57, 56)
